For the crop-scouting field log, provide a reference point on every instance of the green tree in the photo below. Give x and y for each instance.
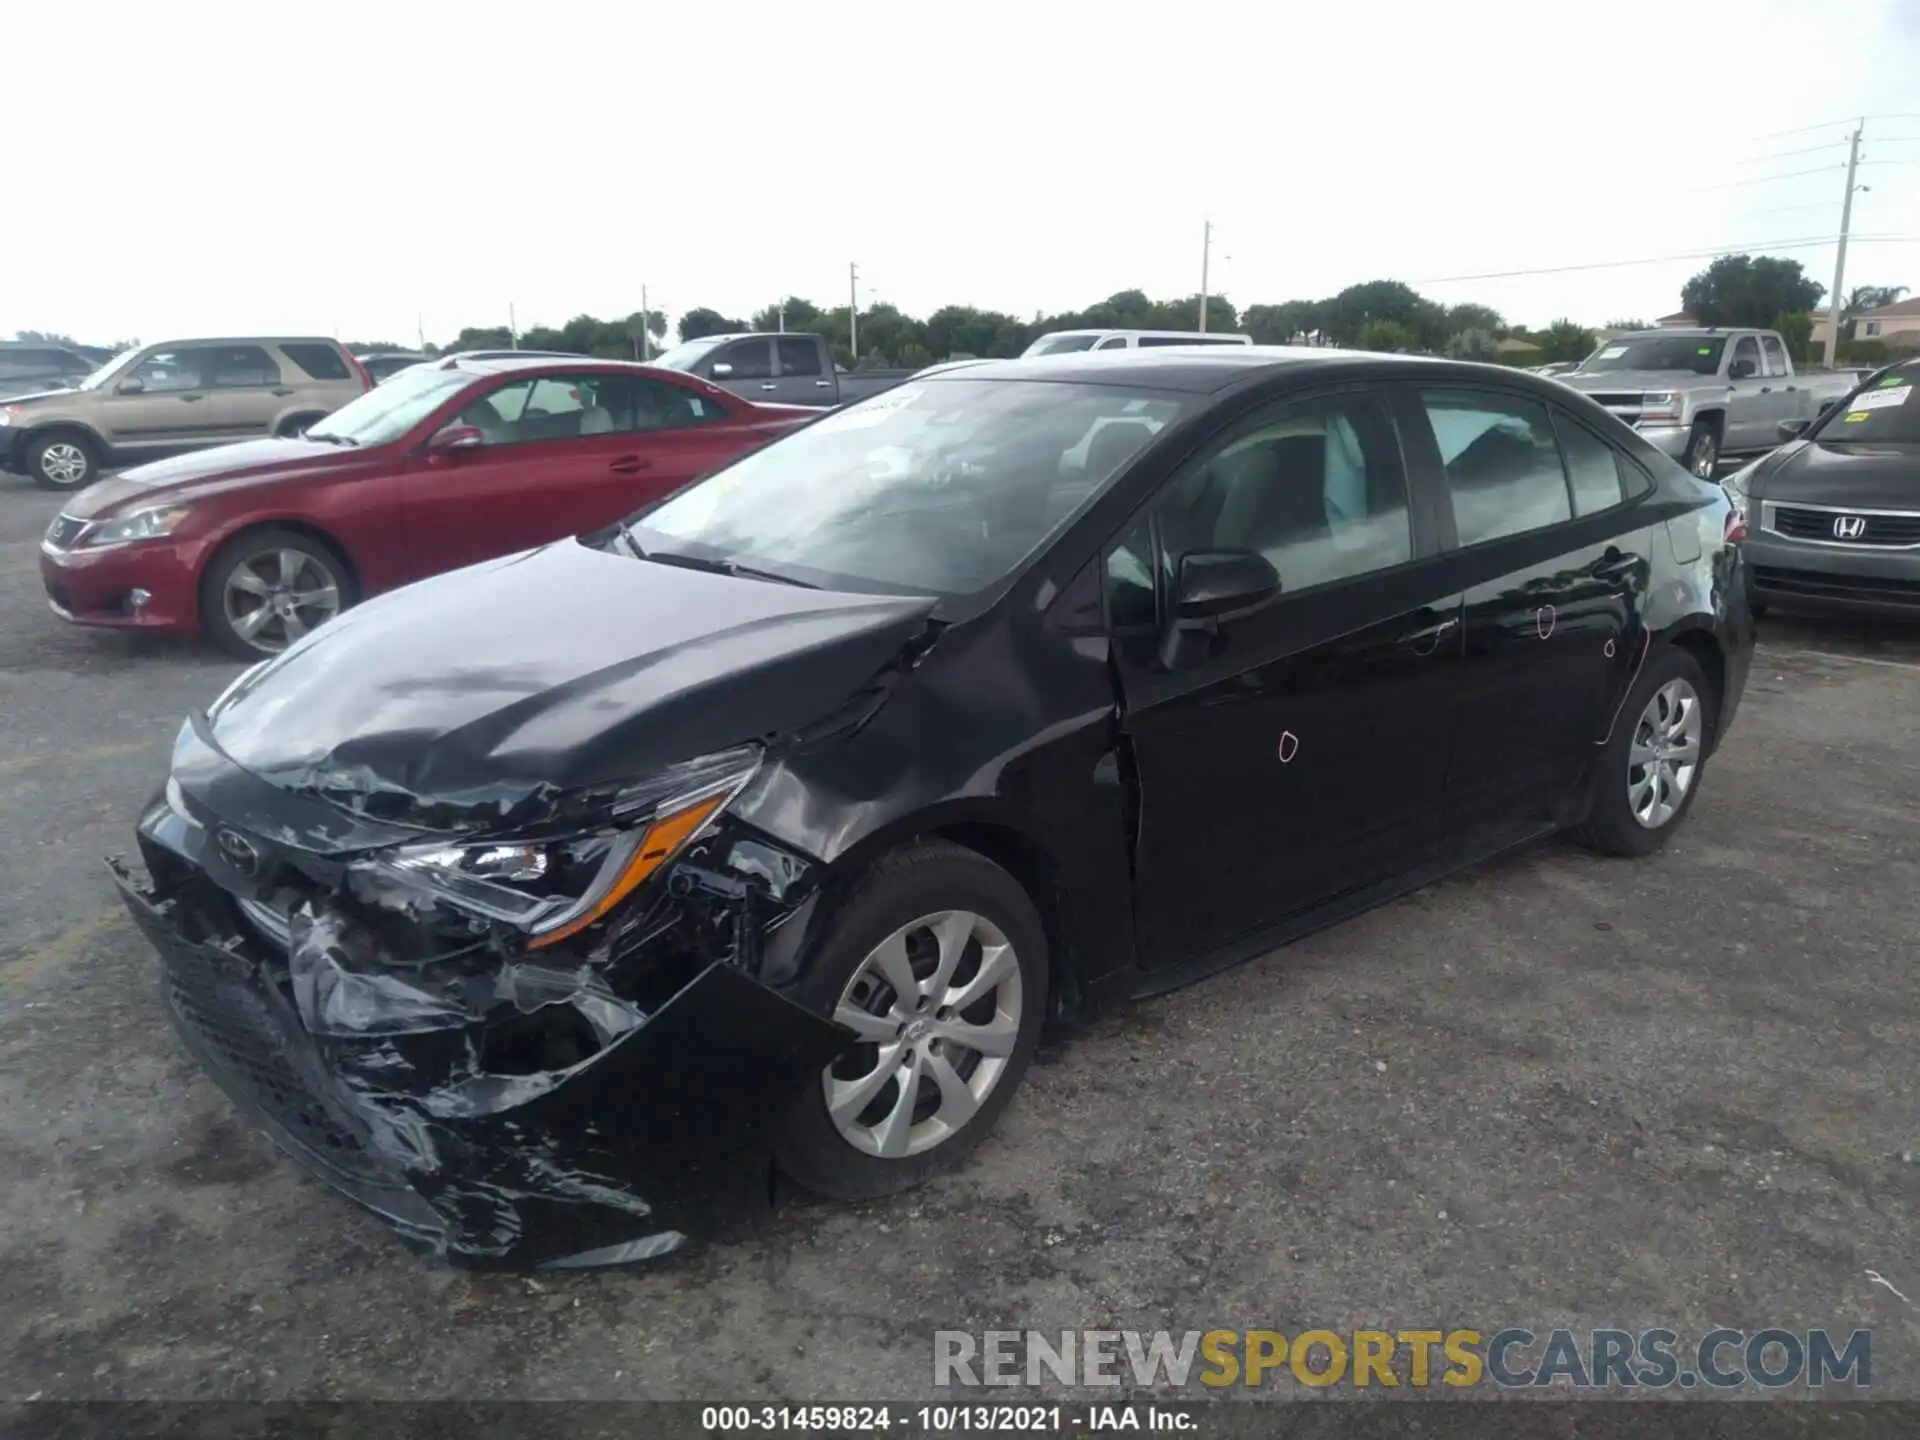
(700, 322)
(1470, 317)
(44, 337)
(1388, 335)
(1796, 330)
(485, 337)
(1281, 324)
(1744, 290)
(801, 316)
(1359, 306)
(1625, 325)
(1565, 340)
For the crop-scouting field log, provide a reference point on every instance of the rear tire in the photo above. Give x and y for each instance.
(1703, 449)
(64, 460)
(931, 924)
(1653, 764)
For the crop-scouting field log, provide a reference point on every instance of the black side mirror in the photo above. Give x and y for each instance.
(1741, 370)
(1213, 584)
(1792, 429)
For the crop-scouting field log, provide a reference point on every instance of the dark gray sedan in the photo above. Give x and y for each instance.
(1834, 514)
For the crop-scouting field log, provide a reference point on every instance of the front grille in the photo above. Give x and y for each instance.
(1800, 523)
(64, 531)
(1837, 587)
(1618, 402)
(235, 1027)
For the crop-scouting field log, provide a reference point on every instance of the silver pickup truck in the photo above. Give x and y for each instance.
(1704, 395)
(781, 369)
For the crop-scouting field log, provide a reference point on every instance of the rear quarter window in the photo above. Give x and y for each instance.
(320, 362)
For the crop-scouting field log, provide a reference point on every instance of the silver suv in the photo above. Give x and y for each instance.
(179, 395)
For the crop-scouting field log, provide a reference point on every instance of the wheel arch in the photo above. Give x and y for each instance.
(1695, 635)
(1713, 416)
(1005, 837)
(47, 428)
(299, 525)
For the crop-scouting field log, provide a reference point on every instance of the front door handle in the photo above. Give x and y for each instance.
(823, 384)
(193, 397)
(1766, 389)
(630, 465)
(284, 390)
(769, 387)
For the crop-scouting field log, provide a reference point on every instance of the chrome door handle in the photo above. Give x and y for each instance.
(823, 384)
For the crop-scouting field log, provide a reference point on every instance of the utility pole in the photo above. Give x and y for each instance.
(420, 327)
(853, 311)
(513, 328)
(646, 320)
(1840, 255)
(783, 317)
(1206, 254)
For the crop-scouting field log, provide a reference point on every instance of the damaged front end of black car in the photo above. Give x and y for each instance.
(524, 1020)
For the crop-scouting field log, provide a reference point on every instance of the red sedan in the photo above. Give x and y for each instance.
(445, 464)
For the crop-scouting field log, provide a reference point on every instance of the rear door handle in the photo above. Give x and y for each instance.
(284, 390)
(193, 397)
(823, 384)
(769, 387)
(630, 465)
(1425, 642)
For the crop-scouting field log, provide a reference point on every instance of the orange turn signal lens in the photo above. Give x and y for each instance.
(661, 839)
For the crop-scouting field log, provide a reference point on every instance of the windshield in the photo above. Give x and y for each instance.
(1884, 412)
(107, 371)
(939, 488)
(391, 409)
(1061, 344)
(686, 355)
(1698, 353)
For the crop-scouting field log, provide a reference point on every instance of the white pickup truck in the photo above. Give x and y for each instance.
(1704, 395)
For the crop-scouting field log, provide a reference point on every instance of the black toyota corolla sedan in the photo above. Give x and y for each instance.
(552, 907)
(1836, 510)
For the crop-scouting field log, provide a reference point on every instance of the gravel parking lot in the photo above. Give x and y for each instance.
(1559, 1090)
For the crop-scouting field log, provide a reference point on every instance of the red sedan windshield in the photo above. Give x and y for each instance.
(389, 411)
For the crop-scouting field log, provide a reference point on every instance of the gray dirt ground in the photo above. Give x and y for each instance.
(1558, 1090)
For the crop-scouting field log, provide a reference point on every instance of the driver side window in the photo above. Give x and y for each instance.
(1316, 486)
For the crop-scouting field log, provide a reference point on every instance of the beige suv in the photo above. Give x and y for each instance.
(180, 395)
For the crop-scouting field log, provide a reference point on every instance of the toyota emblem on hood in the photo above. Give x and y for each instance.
(238, 851)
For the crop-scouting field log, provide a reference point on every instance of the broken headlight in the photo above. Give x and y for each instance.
(556, 886)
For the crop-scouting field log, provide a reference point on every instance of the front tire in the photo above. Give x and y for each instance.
(267, 588)
(1652, 766)
(64, 460)
(1703, 449)
(938, 961)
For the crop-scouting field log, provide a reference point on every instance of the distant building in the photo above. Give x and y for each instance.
(1679, 320)
(1897, 326)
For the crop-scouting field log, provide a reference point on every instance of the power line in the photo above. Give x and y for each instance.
(1717, 250)
(1788, 154)
(1764, 179)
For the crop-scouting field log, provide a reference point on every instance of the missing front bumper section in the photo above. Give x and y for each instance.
(655, 1138)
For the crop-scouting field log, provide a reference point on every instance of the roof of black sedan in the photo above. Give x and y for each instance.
(1198, 369)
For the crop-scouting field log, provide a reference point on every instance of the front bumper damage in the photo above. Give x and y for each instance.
(502, 1109)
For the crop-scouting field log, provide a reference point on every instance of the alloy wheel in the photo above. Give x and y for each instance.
(937, 1007)
(274, 597)
(64, 463)
(1706, 456)
(1664, 756)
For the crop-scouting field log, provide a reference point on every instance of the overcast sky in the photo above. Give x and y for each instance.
(202, 169)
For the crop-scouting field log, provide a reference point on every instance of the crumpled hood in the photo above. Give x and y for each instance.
(199, 473)
(553, 670)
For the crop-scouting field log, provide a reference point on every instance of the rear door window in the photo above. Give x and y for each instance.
(798, 355)
(1776, 356)
(1593, 470)
(1502, 463)
(320, 362)
(235, 366)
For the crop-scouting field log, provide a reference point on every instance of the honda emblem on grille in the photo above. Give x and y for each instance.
(239, 852)
(1849, 527)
